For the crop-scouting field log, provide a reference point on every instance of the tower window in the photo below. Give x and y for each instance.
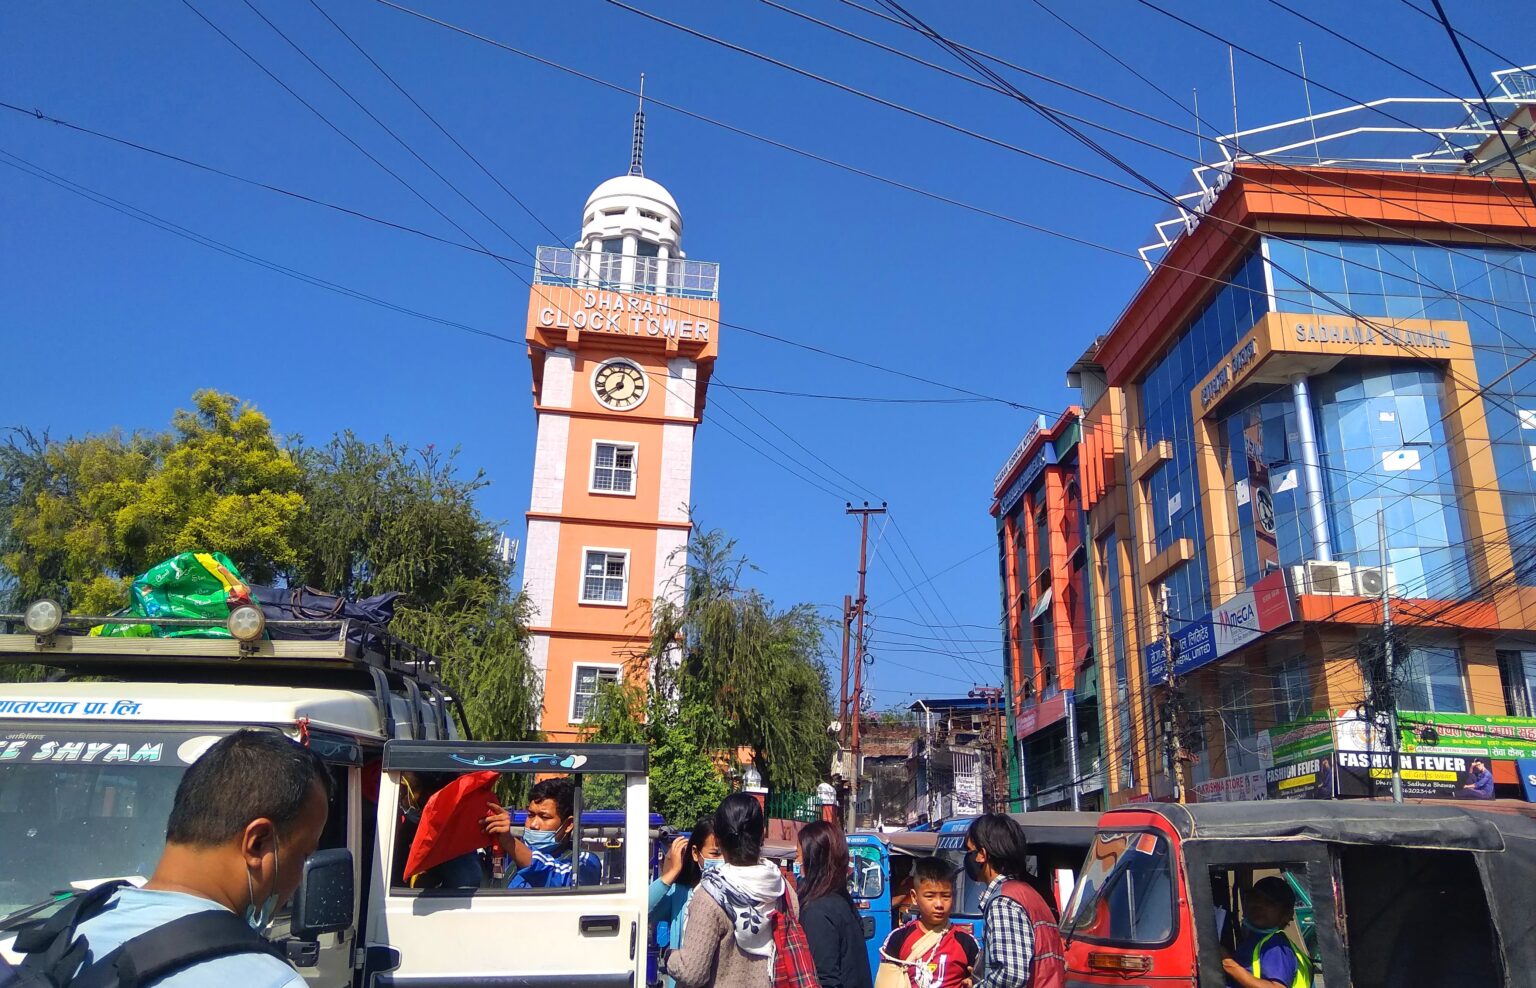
(605, 577)
(586, 683)
(613, 468)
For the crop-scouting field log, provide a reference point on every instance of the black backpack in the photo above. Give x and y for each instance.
(54, 953)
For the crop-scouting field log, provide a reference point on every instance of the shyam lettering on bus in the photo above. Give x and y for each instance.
(82, 751)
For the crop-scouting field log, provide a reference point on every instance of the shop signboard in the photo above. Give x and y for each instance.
(1238, 621)
(1527, 769)
(1301, 759)
(1026, 478)
(1441, 756)
(1194, 645)
(1014, 457)
(1042, 715)
(1252, 614)
(1469, 734)
(1232, 788)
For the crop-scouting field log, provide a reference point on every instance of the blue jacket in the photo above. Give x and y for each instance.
(667, 903)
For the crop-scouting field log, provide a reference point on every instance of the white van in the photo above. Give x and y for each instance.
(88, 771)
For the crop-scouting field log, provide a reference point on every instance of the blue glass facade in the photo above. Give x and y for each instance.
(1174, 486)
(1379, 425)
(1489, 288)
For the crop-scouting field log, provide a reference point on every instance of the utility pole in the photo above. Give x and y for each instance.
(994, 695)
(861, 606)
(1173, 721)
(842, 693)
(1386, 643)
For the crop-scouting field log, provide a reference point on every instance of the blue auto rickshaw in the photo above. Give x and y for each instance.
(869, 882)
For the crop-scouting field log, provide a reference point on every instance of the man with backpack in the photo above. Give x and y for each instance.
(246, 815)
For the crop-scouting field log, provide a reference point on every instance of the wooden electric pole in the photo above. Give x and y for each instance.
(861, 606)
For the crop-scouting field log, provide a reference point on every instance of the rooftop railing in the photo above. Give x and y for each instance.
(674, 276)
(1413, 134)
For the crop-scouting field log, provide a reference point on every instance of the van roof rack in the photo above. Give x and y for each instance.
(338, 653)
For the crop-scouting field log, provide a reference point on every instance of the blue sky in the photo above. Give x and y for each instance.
(110, 322)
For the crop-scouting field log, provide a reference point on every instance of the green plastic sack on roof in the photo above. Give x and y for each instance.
(190, 585)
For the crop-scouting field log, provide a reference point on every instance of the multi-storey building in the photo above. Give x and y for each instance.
(1321, 401)
(1049, 672)
(622, 333)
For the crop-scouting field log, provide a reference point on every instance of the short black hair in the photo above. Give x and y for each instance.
(246, 776)
(561, 790)
(1003, 839)
(739, 827)
(933, 869)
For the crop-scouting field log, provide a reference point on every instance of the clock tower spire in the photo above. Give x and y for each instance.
(622, 335)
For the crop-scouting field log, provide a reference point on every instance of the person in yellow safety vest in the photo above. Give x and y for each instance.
(1265, 956)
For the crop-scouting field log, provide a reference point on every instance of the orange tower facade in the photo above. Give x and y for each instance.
(622, 334)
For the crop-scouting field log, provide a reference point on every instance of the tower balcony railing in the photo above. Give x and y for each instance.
(673, 276)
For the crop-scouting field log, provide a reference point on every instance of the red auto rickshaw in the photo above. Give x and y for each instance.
(1422, 895)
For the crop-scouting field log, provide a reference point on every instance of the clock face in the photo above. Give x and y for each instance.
(619, 384)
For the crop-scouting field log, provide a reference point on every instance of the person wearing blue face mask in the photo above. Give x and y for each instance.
(687, 861)
(246, 815)
(1265, 956)
(543, 854)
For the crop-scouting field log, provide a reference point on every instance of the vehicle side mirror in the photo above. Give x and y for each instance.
(324, 902)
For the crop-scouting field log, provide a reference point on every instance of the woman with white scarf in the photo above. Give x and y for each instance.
(729, 933)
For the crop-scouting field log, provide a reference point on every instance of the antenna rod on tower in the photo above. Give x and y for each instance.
(1306, 88)
(1232, 73)
(637, 149)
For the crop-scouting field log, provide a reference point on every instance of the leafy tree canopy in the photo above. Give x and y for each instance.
(84, 516)
(727, 670)
(79, 518)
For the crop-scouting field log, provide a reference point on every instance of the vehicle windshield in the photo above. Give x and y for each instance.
(865, 880)
(1125, 893)
(79, 806)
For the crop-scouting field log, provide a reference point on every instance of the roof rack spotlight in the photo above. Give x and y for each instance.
(43, 617)
(247, 623)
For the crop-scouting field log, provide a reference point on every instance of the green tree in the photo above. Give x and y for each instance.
(381, 517)
(80, 518)
(83, 516)
(726, 670)
(685, 783)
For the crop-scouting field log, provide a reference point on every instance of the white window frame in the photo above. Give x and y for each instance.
(601, 667)
(581, 591)
(634, 469)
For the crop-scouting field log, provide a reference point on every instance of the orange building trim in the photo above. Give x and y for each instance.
(1269, 197)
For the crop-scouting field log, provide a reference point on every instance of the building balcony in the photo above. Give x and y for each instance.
(668, 276)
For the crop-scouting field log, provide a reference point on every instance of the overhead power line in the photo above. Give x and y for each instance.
(1495, 120)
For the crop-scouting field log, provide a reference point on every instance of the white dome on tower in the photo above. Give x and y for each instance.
(634, 185)
(632, 214)
(633, 206)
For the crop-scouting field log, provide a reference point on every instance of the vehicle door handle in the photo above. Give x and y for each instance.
(599, 925)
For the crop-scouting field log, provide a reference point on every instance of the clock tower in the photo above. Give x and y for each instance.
(622, 334)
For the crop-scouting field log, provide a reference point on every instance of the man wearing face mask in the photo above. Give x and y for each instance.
(1022, 947)
(1265, 957)
(543, 854)
(247, 814)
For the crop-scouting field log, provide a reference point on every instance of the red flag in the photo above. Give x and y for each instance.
(450, 822)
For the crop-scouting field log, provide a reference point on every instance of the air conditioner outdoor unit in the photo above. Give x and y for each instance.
(1317, 577)
(1373, 581)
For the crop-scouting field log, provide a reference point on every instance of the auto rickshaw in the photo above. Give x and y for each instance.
(1427, 894)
